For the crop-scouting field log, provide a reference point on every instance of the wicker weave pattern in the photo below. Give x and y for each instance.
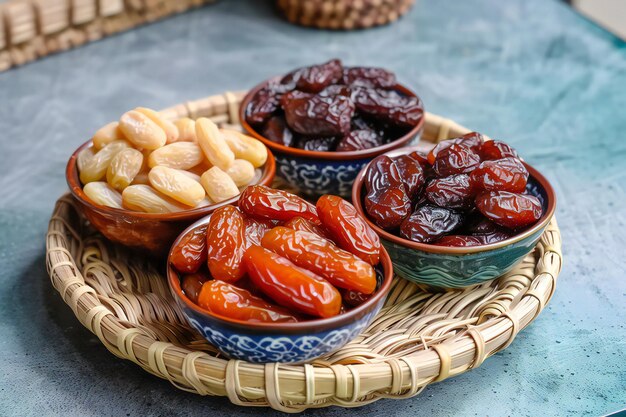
(31, 29)
(343, 14)
(418, 338)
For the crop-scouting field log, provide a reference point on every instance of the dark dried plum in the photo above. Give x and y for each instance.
(277, 131)
(262, 106)
(456, 159)
(389, 106)
(507, 174)
(369, 77)
(429, 223)
(315, 78)
(494, 149)
(508, 209)
(472, 140)
(411, 174)
(358, 140)
(314, 115)
(452, 192)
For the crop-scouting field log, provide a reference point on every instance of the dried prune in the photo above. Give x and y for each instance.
(453, 192)
(323, 144)
(290, 285)
(314, 115)
(227, 300)
(508, 174)
(389, 207)
(315, 78)
(348, 228)
(493, 149)
(369, 77)
(472, 140)
(277, 131)
(508, 209)
(318, 255)
(259, 201)
(389, 106)
(262, 106)
(358, 140)
(411, 174)
(456, 159)
(429, 223)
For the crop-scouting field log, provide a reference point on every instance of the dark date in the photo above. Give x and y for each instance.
(453, 192)
(315, 78)
(493, 149)
(411, 174)
(429, 223)
(262, 106)
(472, 140)
(315, 115)
(508, 174)
(369, 77)
(456, 159)
(277, 131)
(324, 144)
(358, 140)
(510, 210)
(389, 106)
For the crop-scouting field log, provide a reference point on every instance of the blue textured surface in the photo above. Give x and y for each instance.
(531, 72)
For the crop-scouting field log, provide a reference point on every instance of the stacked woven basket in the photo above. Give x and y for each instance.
(419, 337)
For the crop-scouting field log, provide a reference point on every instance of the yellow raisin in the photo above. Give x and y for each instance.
(84, 156)
(186, 129)
(176, 185)
(141, 131)
(179, 155)
(245, 147)
(141, 197)
(96, 167)
(218, 185)
(103, 194)
(123, 168)
(213, 144)
(106, 134)
(241, 171)
(171, 131)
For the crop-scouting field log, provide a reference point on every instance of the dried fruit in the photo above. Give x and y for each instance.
(507, 174)
(453, 192)
(290, 285)
(213, 144)
(226, 300)
(316, 254)
(95, 168)
(178, 155)
(493, 149)
(304, 225)
(315, 115)
(316, 144)
(140, 197)
(176, 185)
(190, 253)
(472, 140)
(262, 202)
(141, 130)
(218, 185)
(256, 229)
(358, 140)
(186, 129)
(171, 131)
(103, 194)
(389, 207)
(277, 131)
(354, 298)
(315, 78)
(429, 223)
(508, 209)
(389, 106)
(245, 147)
(411, 174)
(455, 159)
(192, 285)
(369, 77)
(336, 90)
(84, 156)
(262, 106)
(226, 243)
(106, 134)
(123, 168)
(348, 228)
(241, 172)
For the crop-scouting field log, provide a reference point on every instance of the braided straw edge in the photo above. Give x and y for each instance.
(294, 388)
(32, 29)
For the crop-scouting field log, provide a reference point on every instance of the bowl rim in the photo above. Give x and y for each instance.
(321, 324)
(452, 250)
(76, 189)
(328, 155)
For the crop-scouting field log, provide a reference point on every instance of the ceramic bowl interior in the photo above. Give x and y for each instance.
(333, 156)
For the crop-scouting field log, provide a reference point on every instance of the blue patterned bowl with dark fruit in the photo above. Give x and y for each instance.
(315, 173)
(295, 342)
(456, 267)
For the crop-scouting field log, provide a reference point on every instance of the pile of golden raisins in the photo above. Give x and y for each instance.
(146, 163)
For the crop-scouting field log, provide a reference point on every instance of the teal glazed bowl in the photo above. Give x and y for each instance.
(455, 267)
(315, 173)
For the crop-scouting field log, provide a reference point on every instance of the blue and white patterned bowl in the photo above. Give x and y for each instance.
(280, 342)
(315, 173)
(455, 267)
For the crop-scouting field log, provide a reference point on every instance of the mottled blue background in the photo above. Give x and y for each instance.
(531, 72)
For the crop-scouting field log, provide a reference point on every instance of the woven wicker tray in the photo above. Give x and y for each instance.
(419, 337)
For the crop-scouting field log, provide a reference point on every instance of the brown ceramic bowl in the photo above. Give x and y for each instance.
(149, 232)
(279, 342)
(316, 173)
(452, 267)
